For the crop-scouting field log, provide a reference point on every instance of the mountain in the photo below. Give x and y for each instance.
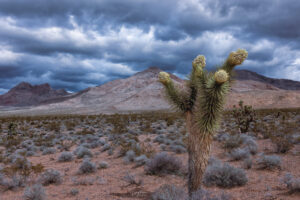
(25, 94)
(284, 84)
(143, 92)
(139, 92)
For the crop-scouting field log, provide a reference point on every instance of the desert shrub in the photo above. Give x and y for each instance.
(38, 168)
(214, 161)
(30, 153)
(163, 147)
(269, 162)
(132, 144)
(129, 156)
(221, 137)
(1, 176)
(13, 183)
(93, 145)
(81, 152)
(47, 151)
(167, 141)
(20, 162)
(66, 145)
(103, 165)
(101, 142)
(251, 145)
(145, 149)
(86, 131)
(247, 164)
(70, 125)
(282, 143)
(21, 166)
(21, 152)
(53, 126)
(87, 167)
(132, 180)
(293, 184)
(110, 151)
(224, 175)
(12, 128)
(11, 141)
(65, 157)
(50, 176)
(163, 163)
(35, 192)
(140, 160)
(159, 139)
(169, 192)
(233, 141)
(244, 116)
(105, 147)
(178, 149)
(74, 192)
(239, 154)
(202, 194)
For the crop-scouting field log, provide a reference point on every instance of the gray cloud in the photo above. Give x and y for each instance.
(78, 44)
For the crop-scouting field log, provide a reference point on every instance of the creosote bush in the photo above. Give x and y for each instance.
(87, 167)
(202, 194)
(50, 176)
(35, 192)
(74, 192)
(163, 163)
(81, 152)
(224, 175)
(103, 165)
(233, 141)
(239, 154)
(269, 162)
(12, 184)
(293, 184)
(65, 157)
(22, 167)
(172, 192)
(169, 192)
(132, 180)
(282, 143)
(247, 163)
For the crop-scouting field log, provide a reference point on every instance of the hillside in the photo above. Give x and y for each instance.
(25, 94)
(143, 92)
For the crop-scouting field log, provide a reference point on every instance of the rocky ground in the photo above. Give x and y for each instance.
(135, 156)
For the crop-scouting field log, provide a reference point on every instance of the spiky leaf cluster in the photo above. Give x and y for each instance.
(204, 94)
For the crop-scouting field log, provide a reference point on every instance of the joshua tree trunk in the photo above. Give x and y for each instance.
(198, 152)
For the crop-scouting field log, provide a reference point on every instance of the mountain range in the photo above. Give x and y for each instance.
(142, 92)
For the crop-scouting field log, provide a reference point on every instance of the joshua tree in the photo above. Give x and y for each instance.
(201, 102)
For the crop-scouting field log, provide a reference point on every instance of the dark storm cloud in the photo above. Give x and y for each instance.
(9, 71)
(77, 44)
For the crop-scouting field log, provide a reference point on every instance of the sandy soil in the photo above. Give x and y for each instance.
(109, 184)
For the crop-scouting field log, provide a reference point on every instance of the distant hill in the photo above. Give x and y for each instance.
(284, 84)
(143, 92)
(25, 94)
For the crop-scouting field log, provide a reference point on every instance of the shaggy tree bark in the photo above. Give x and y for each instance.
(198, 152)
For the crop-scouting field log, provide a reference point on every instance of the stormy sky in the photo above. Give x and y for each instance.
(78, 44)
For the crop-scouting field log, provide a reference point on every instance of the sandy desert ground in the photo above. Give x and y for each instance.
(120, 148)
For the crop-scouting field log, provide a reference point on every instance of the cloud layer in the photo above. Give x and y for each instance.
(77, 44)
